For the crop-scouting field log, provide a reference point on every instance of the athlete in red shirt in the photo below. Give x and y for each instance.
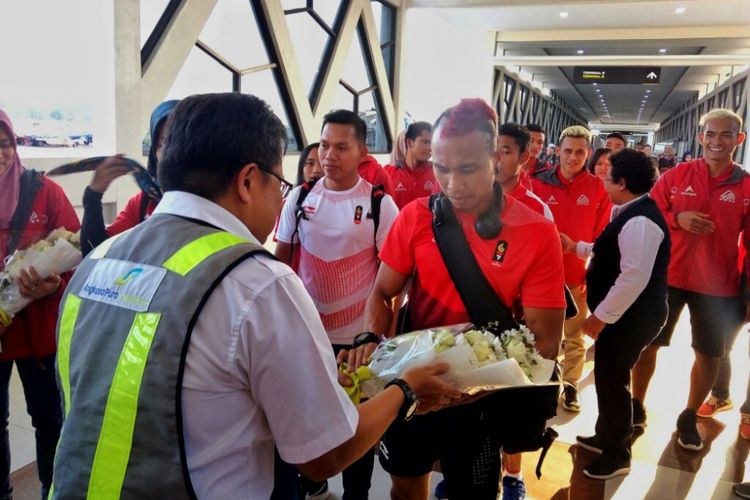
(414, 178)
(706, 204)
(580, 205)
(523, 262)
(533, 164)
(371, 171)
(511, 154)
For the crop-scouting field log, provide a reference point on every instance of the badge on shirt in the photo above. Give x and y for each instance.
(500, 249)
(358, 214)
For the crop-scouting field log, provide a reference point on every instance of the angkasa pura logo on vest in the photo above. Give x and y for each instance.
(133, 286)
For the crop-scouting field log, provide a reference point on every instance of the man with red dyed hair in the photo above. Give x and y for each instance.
(466, 439)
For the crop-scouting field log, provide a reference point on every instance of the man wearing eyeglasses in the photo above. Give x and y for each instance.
(187, 354)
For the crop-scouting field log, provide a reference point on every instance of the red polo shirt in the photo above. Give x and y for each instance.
(524, 261)
(408, 184)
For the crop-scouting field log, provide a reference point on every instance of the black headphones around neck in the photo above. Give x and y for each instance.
(488, 225)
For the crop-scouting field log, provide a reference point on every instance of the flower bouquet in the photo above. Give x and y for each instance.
(479, 359)
(59, 252)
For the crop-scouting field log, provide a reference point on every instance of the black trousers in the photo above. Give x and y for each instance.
(356, 478)
(44, 407)
(617, 350)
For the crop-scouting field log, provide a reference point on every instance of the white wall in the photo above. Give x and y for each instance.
(442, 63)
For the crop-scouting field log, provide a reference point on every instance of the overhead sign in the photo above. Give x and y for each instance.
(632, 75)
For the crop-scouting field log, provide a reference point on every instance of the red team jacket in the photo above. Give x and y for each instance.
(32, 331)
(371, 171)
(131, 214)
(408, 184)
(581, 209)
(705, 264)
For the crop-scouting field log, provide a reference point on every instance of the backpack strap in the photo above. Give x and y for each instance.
(145, 200)
(31, 183)
(478, 296)
(305, 189)
(376, 198)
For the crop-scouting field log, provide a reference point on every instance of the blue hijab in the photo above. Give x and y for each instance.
(158, 117)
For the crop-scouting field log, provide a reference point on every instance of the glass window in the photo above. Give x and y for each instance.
(232, 32)
(263, 84)
(309, 41)
(200, 74)
(293, 4)
(355, 71)
(151, 11)
(385, 21)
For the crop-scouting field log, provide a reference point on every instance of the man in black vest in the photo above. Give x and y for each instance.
(627, 294)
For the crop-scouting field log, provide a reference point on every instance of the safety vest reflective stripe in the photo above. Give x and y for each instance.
(116, 436)
(188, 257)
(67, 324)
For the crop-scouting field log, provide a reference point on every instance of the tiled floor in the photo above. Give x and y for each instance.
(660, 470)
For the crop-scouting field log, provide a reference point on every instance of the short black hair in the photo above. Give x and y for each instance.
(210, 137)
(617, 135)
(591, 164)
(635, 168)
(415, 130)
(535, 127)
(518, 133)
(302, 159)
(346, 117)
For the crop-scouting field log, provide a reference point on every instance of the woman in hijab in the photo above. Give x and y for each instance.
(140, 206)
(31, 206)
(398, 154)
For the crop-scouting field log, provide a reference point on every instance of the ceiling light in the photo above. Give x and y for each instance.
(598, 90)
(648, 91)
(564, 15)
(680, 10)
(595, 84)
(662, 51)
(579, 51)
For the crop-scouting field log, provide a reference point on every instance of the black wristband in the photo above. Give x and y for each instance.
(366, 338)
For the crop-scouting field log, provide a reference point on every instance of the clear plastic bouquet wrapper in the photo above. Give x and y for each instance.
(479, 360)
(59, 252)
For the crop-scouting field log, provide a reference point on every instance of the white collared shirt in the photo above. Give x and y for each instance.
(259, 372)
(639, 241)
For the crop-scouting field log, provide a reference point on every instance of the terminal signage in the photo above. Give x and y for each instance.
(631, 75)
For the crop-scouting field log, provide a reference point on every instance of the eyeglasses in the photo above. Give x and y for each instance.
(285, 187)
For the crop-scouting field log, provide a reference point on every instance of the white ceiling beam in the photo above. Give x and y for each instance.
(644, 60)
(661, 33)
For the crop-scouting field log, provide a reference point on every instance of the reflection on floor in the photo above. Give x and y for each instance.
(661, 470)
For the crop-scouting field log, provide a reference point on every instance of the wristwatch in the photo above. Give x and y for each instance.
(410, 404)
(366, 338)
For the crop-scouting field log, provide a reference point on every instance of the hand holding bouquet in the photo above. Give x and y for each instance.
(479, 360)
(59, 252)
